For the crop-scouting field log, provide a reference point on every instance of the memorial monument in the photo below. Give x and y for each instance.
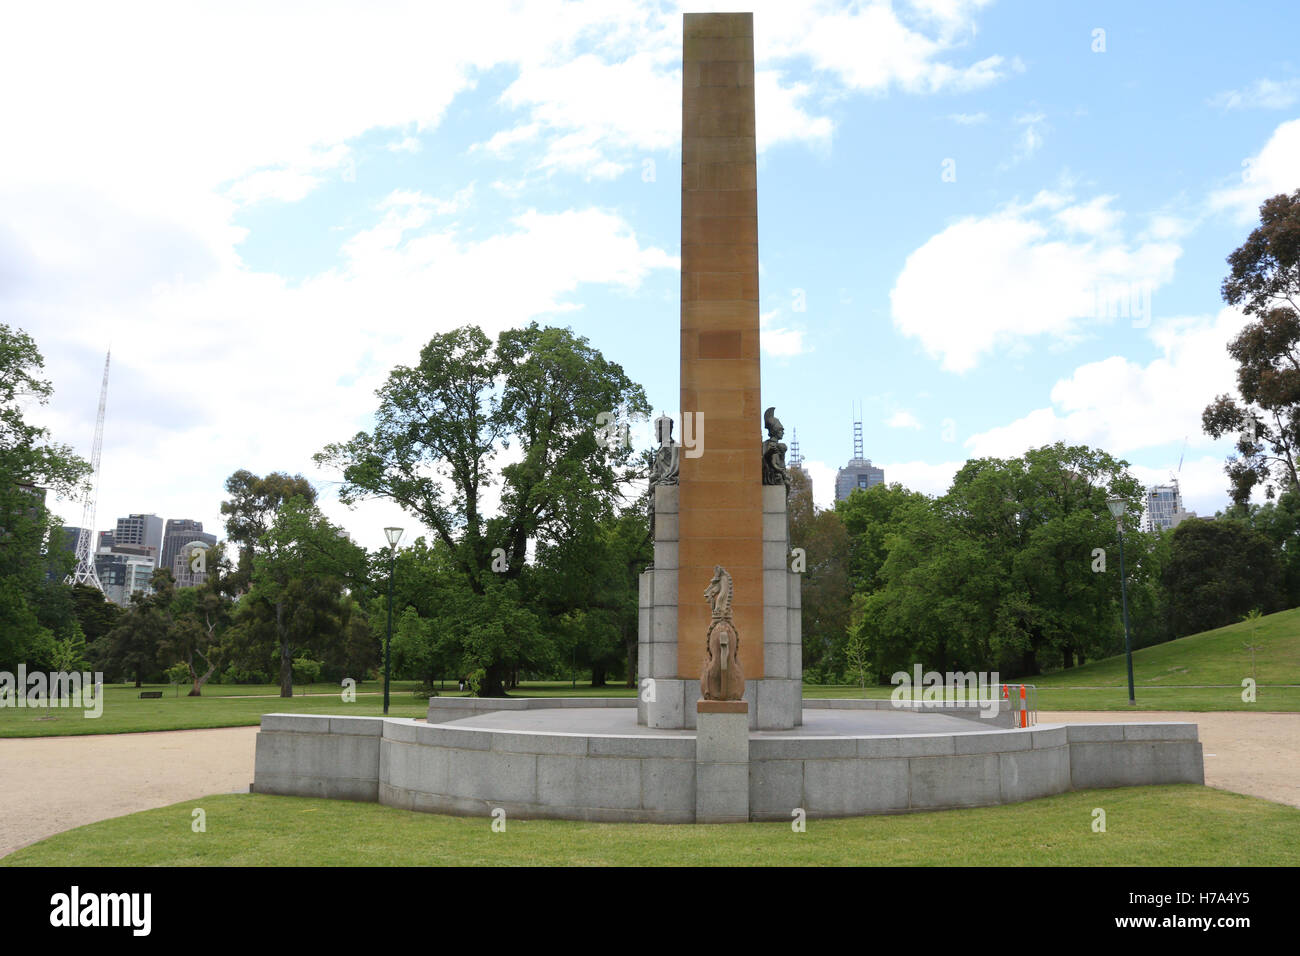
(719, 732)
(726, 507)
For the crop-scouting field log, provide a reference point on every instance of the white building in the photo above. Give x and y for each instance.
(1164, 508)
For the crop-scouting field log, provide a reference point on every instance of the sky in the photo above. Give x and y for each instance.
(990, 224)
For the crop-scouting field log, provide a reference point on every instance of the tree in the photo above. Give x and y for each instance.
(252, 508)
(30, 467)
(132, 647)
(439, 428)
(584, 588)
(1265, 282)
(300, 566)
(999, 572)
(198, 618)
(1279, 522)
(1219, 571)
(827, 592)
(870, 515)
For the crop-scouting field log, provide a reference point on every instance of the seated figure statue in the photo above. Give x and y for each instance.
(774, 472)
(664, 468)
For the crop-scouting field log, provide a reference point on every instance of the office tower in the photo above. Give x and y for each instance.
(140, 529)
(178, 532)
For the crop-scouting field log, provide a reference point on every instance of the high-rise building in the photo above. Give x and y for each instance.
(126, 569)
(183, 563)
(67, 541)
(140, 529)
(178, 532)
(859, 472)
(1164, 508)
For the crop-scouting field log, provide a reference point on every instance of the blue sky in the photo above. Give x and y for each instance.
(263, 213)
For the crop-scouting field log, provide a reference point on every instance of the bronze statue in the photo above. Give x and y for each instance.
(667, 457)
(774, 472)
(723, 677)
(664, 468)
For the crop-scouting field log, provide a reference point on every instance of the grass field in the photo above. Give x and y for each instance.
(1213, 657)
(1183, 825)
(1198, 673)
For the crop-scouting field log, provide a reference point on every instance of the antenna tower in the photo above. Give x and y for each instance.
(84, 573)
(857, 433)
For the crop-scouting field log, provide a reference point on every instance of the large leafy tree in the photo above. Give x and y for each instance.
(1265, 282)
(29, 462)
(999, 572)
(252, 508)
(133, 648)
(1217, 572)
(585, 589)
(827, 590)
(1279, 522)
(439, 429)
(301, 566)
(198, 618)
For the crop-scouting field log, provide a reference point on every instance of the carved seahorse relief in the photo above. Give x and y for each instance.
(723, 677)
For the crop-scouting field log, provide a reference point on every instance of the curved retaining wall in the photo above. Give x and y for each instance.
(651, 778)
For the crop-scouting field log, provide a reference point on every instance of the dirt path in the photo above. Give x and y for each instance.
(1258, 754)
(51, 784)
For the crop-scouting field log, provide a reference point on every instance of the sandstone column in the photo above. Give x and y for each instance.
(721, 496)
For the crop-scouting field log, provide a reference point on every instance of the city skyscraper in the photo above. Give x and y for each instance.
(859, 472)
(178, 532)
(140, 529)
(1164, 508)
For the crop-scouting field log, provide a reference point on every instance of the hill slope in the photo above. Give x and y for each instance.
(1221, 657)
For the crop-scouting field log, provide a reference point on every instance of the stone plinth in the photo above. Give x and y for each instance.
(775, 700)
(722, 761)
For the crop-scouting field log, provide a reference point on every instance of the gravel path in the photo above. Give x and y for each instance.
(1258, 754)
(51, 784)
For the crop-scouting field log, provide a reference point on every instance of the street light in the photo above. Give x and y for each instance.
(1116, 506)
(393, 535)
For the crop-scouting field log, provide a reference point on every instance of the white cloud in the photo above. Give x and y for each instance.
(415, 199)
(593, 113)
(1122, 406)
(1263, 94)
(902, 419)
(931, 479)
(1274, 169)
(1030, 139)
(823, 482)
(870, 48)
(779, 341)
(407, 144)
(778, 116)
(323, 345)
(1202, 482)
(1041, 269)
(968, 119)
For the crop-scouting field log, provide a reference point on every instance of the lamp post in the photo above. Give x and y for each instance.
(1116, 506)
(393, 535)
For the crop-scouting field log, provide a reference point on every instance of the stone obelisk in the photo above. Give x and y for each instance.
(720, 513)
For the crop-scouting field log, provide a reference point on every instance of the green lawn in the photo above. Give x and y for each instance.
(1211, 657)
(1164, 675)
(124, 712)
(1184, 825)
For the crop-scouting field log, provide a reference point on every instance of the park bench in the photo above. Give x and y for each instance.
(150, 694)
